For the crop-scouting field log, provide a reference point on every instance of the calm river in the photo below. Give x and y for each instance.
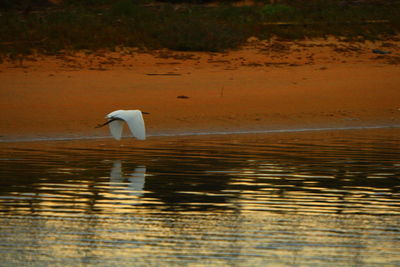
(325, 198)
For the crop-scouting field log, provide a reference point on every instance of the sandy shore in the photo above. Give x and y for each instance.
(265, 85)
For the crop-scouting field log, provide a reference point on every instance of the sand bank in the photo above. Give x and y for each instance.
(265, 85)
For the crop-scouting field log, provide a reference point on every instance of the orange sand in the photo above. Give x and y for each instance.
(265, 85)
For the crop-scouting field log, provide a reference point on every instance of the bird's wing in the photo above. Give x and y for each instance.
(116, 127)
(135, 122)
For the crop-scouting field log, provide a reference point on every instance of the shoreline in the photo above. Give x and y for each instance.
(266, 85)
(191, 134)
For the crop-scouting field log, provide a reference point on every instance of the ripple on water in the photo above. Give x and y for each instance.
(322, 198)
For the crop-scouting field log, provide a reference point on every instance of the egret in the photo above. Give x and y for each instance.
(133, 118)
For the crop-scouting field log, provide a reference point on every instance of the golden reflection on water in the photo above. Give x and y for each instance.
(250, 200)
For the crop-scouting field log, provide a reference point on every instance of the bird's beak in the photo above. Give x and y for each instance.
(146, 113)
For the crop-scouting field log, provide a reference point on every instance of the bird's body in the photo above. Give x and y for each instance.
(133, 118)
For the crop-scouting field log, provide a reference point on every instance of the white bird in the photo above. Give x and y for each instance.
(133, 118)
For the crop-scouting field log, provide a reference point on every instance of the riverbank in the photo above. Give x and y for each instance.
(265, 85)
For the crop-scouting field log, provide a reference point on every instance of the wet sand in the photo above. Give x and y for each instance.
(263, 86)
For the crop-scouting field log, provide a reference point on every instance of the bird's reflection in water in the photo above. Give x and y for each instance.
(134, 182)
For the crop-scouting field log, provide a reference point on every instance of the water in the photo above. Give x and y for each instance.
(324, 198)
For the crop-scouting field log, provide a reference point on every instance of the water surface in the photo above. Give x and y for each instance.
(324, 198)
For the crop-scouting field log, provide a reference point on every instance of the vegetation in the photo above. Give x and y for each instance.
(37, 26)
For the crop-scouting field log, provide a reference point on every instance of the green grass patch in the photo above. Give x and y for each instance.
(91, 25)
